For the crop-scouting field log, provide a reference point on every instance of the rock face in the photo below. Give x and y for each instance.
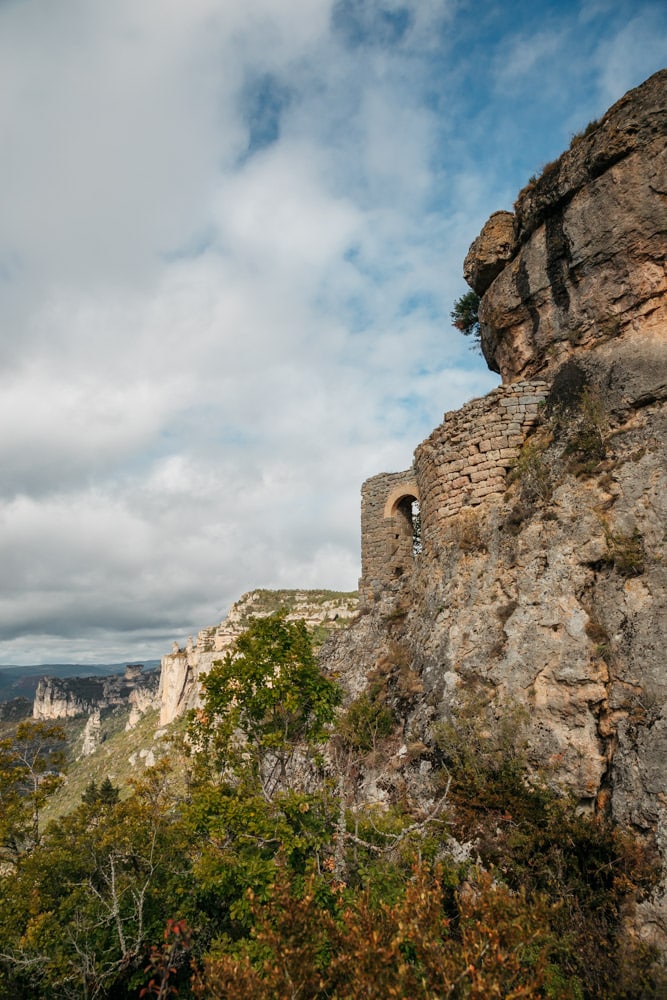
(587, 263)
(92, 734)
(67, 698)
(182, 669)
(536, 574)
(494, 247)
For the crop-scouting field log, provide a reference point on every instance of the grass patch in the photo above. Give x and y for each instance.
(111, 759)
(625, 552)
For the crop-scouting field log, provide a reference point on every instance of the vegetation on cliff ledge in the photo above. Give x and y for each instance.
(465, 315)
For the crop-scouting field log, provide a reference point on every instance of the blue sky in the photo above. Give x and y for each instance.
(232, 234)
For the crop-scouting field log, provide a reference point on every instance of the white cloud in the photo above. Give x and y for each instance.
(211, 335)
(527, 54)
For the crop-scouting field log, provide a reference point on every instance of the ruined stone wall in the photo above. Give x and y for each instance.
(466, 459)
(387, 535)
(462, 464)
(554, 601)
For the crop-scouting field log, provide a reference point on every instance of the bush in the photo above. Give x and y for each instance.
(364, 723)
(465, 316)
(586, 440)
(533, 472)
(625, 552)
(536, 841)
(492, 942)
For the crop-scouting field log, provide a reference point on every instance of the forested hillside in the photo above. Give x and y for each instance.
(245, 865)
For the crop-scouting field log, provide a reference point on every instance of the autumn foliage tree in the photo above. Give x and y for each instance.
(492, 942)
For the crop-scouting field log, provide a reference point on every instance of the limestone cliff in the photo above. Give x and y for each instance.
(536, 573)
(582, 260)
(67, 698)
(183, 668)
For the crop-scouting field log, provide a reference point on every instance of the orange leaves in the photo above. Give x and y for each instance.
(163, 962)
(497, 946)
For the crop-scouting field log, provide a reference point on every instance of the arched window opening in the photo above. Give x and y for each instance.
(416, 528)
(408, 507)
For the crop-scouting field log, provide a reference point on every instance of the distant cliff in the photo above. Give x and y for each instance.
(67, 698)
(183, 668)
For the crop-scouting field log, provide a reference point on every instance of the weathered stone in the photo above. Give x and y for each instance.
(493, 248)
(92, 734)
(591, 263)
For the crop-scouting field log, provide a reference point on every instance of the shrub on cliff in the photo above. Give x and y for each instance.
(537, 841)
(465, 316)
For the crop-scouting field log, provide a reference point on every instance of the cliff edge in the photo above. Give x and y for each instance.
(521, 562)
(581, 261)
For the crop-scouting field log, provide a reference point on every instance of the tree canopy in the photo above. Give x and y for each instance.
(31, 764)
(267, 699)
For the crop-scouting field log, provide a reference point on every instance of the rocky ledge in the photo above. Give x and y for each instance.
(581, 261)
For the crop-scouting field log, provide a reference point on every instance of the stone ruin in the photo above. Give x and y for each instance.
(462, 464)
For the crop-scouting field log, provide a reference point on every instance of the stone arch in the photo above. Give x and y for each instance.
(387, 529)
(401, 514)
(398, 494)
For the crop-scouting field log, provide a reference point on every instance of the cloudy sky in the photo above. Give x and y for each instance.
(231, 234)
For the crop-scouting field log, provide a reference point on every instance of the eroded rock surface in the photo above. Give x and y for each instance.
(545, 589)
(590, 242)
(92, 734)
(493, 248)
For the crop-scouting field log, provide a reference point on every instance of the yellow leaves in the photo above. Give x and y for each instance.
(31, 937)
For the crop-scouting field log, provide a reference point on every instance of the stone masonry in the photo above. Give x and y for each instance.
(387, 530)
(465, 460)
(462, 464)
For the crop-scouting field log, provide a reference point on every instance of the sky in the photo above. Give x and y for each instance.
(231, 235)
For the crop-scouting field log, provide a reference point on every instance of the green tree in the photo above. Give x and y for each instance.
(465, 315)
(31, 765)
(106, 794)
(257, 792)
(80, 912)
(266, 701)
